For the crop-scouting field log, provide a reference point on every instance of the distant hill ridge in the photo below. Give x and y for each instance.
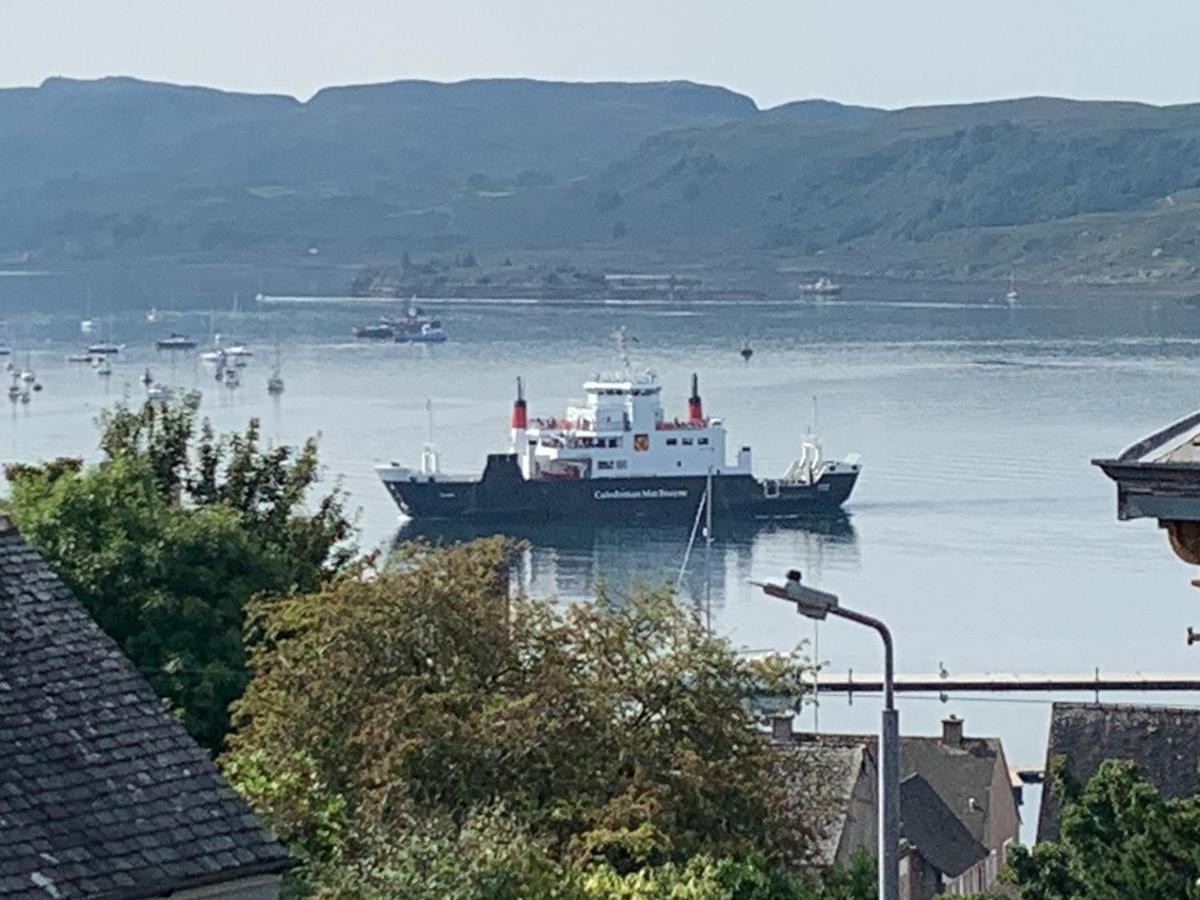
(123, 168)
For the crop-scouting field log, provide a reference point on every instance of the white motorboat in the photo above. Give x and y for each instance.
(822, 287)
(160, 393)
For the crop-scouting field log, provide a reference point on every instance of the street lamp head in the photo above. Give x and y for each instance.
(809, 601)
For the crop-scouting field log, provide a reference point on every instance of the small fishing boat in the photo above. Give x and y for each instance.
(147, 378)
(822, 287)
(746, 351)
(79, 357)
(232, 378)
(152, 314)
(104, 367)
(104, 348)
(87, 326)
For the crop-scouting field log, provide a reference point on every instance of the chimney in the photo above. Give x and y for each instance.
(519, 416)
(952, 731)
(781, 727)
(695, 407)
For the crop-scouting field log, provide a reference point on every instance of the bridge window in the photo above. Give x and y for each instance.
(671, 442)
(604, 464)
(622, 464)
(702, 441)
(687, 442)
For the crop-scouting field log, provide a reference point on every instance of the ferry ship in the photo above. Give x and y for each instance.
(618, 458)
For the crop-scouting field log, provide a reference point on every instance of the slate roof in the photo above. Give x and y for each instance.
(961, 775)
(1162, 741)
(823, 785)
(933, 831)
(102, 792)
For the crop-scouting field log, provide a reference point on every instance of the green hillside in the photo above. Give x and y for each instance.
(1067, 190)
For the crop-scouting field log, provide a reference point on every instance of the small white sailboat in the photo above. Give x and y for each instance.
(87, 326)
(152, 314)
(14, 389)
(27, 375)
(160, 393)
(1013, 296)
(275, 382)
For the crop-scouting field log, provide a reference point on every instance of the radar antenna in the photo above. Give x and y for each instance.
(621, 338)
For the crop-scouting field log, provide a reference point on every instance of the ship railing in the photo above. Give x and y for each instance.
(682, 424)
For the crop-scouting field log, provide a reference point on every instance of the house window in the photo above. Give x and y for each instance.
(671, 442)
(612, 442)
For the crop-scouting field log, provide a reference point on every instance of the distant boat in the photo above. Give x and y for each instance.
(5, 351)
(14, 389)
(275, 382)
(147, 378)
(747, 351)
(1013, 296)
(160, 393)
(104, 348)
(175, 342)
(79, 357)
(87, 326)
(429, 333)
(104, 369)
(823, 286)
(232, 378)
(152, 314)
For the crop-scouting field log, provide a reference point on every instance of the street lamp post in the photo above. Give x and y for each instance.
(817, 605)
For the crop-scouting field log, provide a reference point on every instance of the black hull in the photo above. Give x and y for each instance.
(503, 495)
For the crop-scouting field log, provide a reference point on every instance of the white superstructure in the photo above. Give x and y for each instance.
(621, 431)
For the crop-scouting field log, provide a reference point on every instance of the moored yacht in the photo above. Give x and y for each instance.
(619, 458)
(175, 341)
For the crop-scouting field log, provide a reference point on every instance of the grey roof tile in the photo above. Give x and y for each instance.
(1162, 741)
(101, 789)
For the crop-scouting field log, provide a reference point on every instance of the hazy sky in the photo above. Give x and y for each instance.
(879, 52)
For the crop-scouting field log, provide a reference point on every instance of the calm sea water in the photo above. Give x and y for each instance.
(979, 529)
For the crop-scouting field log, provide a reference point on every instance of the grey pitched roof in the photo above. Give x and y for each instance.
(1162, 741)
(935, 832)
(961, 775)
(822, 786)
(102, 792)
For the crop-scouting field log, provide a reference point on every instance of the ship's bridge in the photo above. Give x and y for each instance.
(621, 431)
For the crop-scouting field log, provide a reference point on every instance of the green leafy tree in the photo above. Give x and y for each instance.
(167, 538)
(615, 733)
(1119, 839)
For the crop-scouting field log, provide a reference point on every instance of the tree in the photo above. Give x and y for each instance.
(1119, 838)
(615, 734)
(167, 538)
